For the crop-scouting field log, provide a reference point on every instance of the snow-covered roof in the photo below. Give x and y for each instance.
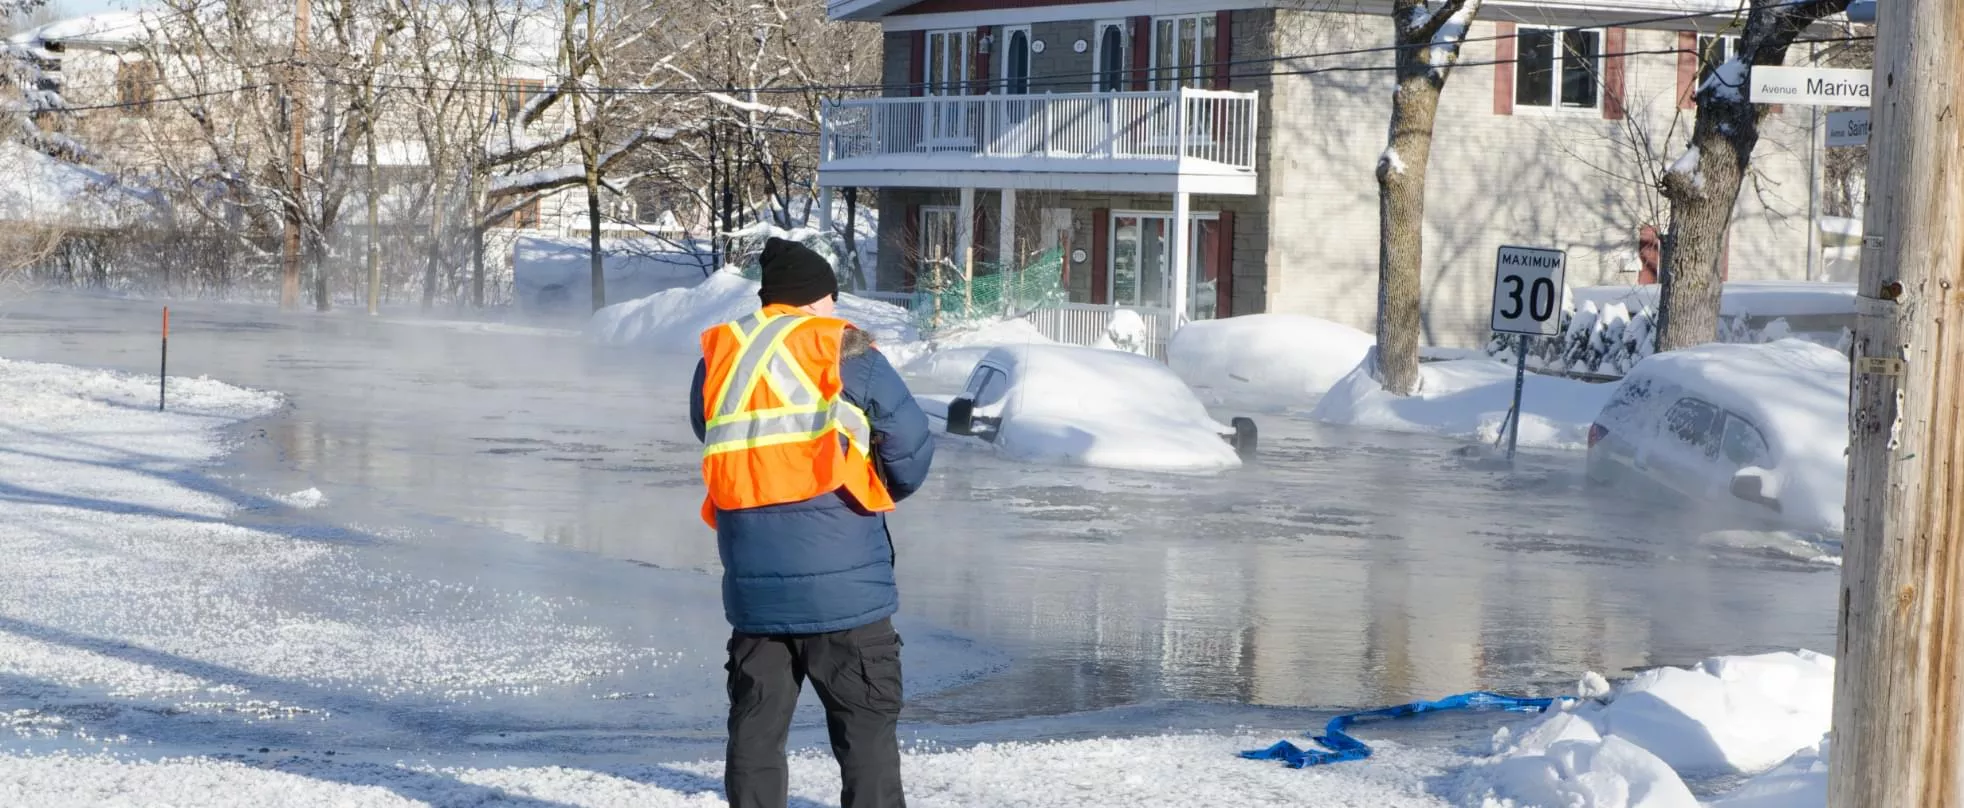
(108, 29)
(43, 191)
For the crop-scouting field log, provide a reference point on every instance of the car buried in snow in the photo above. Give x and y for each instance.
(1092, 407)
(1762, 425)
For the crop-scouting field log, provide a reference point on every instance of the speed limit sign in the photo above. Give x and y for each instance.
(1528, 291)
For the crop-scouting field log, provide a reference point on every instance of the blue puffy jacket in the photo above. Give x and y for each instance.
(824, 564)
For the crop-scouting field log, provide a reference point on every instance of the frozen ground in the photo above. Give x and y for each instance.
(480, 489)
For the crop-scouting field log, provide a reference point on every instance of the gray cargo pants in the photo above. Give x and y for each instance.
(857, 675)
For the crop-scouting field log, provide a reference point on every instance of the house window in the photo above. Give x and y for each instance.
(526, 217)
(1016, 61)
(136, 86)
(1111, 57)
(1712, 52)
(1141, 264)
(516, 94)
(950, 69)
(1558, 68)
(1182, 51)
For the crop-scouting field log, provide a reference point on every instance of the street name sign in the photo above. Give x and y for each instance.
(1810, 86)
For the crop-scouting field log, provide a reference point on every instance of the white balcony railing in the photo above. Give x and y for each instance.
(1174, 126)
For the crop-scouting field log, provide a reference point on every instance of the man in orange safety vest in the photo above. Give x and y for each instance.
(810, 438)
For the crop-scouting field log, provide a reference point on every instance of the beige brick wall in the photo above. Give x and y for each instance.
(1540, 178)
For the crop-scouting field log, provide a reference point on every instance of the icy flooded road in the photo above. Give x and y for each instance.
(1347, 569)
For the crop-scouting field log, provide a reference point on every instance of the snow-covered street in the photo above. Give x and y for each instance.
(458, 564)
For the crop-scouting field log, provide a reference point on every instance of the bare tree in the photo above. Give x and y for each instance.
(1703, 184)
(1429, 37)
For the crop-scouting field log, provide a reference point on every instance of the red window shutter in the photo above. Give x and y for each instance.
(1613, 80)
(983, 81)
(1687, 70)
(1725, 256)
(1141, 52)
(917, 63)
(1224, 267)
(1101, 245)
(1650, 249)
(910, 235)
(1503, 70)
(1223, 49)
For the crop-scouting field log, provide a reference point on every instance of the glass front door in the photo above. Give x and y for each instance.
(1141, 271)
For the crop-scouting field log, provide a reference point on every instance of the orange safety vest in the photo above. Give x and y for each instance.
(774, 411)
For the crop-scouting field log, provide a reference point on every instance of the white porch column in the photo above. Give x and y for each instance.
(1006, 231)
(825, 209)
(965, 241)
(1176, 243)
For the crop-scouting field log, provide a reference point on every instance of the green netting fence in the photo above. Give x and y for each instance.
(944, 299)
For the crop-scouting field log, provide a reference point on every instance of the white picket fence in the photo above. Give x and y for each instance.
(1085, 323)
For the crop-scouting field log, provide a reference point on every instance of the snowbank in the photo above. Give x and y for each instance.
(1266, 361)
(1632, 746)
(673, 321)
(551, 274)
(1741, 298)
(1096, 407)
(1796, 394)
(1162, 772)
(1469, 399)
(41, 190)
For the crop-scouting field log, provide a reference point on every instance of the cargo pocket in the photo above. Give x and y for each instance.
(879, 664)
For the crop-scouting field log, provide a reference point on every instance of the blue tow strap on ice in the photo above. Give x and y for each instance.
(1341, 747)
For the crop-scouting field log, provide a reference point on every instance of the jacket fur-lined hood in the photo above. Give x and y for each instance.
(854, 343)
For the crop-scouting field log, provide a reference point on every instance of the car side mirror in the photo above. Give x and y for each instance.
(961, 416)
(1758, 486)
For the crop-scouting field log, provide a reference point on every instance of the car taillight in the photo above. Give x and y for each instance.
(1596, 434)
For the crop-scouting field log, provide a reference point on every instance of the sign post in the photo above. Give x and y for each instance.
(1528, 287)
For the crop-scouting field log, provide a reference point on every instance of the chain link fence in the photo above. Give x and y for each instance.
(944, 299)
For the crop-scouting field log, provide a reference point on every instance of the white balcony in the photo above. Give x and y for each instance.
(1196, 141)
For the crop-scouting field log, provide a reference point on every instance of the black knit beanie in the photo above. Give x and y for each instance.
(794, 275)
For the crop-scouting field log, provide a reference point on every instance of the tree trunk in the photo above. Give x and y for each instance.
(436, 248)
(1401, 232)
(1401, 181)
(1703, 185)
(477, 243)
(593, 236)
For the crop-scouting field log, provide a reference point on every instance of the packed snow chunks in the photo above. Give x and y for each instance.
(1793, 391)
(672, 322)
(1468, 399)
(1272, 362)
(1633, 747)
(1096, 407)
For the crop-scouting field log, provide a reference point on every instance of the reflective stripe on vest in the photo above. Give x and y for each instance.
(805, 415)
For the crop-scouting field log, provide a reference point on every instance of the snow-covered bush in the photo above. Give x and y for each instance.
(1126, 332)
(1610, 339)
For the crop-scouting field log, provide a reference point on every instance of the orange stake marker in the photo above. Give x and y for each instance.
(163, 361)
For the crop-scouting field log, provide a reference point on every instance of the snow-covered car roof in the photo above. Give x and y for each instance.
(1104, 408)
(1795, 392)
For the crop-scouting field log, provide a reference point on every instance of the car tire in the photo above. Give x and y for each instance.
(1245, 438)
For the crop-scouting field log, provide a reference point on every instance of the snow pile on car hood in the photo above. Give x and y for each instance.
(1797, 394)
(673, 321)
(1112, 409)
(1632, 746)
(1271, 362)
(1469, 399)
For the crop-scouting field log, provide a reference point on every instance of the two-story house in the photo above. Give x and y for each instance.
(1219, 155)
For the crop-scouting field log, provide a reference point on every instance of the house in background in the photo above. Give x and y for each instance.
(1217, 156)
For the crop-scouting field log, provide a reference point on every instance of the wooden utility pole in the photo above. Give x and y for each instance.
(1898, 702)
(296, 125)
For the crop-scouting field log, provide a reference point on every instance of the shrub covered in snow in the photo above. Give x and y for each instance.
(1609, 334)
(1126, 332)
